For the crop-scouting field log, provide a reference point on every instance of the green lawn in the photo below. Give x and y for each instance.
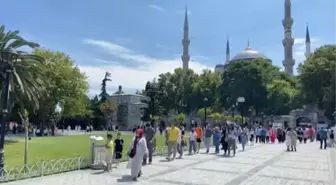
(49, 148)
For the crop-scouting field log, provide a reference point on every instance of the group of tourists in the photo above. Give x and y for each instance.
(224, 138)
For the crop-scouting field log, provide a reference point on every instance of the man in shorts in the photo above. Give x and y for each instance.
(199, 132)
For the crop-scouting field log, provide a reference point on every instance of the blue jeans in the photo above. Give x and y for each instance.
(192, 146)
(217, 147)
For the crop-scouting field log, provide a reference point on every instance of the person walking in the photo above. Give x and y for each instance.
(224, 140)
(232, 137)
(150, 138)
(118, 148)
(293, 139)
(272, 135)
(192, 142)
(137, 150)
(288, 140)
(216, 139)
(109, 152)
(243, 139)
(332, 139)
(305, 134)
(323, 137)
(180, 142)
(252, 135)
(207, 137)
(199, 132)
(172, 138)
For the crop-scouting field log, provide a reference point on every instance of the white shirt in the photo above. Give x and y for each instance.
(179, 137)
(193, 136)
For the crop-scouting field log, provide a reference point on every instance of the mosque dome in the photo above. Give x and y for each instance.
(248, 54)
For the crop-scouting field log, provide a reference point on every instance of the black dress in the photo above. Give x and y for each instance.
(118, 148)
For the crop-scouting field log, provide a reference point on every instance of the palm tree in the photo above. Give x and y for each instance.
(26, 83)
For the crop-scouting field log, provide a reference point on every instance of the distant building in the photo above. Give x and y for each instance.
(128, 112)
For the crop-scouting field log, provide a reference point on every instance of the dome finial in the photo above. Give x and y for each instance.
(248, 44)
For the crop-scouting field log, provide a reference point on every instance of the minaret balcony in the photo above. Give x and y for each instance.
(288, 62)
(288, 41)
(185, 57)
(185, 42)
(287, 22)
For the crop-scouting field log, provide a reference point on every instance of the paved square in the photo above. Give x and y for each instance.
(261, 164)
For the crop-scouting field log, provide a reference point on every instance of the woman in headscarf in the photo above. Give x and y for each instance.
(137, 151)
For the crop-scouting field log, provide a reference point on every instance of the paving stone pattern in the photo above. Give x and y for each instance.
(261, 164)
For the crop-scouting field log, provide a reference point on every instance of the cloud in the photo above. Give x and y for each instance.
(300, 47)
(156, 7)
(146, 68)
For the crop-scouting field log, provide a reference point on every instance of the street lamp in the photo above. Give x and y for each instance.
(250, 115)
(8, 57)
(262, 118)
(205, 109)
(241, 100)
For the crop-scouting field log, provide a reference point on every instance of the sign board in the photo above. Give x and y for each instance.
(99, 154)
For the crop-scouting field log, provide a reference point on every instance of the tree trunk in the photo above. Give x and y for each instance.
(26, 145)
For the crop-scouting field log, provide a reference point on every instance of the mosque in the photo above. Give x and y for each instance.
(309, 114)
(249, 53)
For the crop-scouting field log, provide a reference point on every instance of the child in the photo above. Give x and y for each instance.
(192, 142)
(109, 152)
(118, 148)
(243, 137)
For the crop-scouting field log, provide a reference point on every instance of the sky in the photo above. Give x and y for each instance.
(136, 40)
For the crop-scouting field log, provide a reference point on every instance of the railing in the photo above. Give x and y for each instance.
(42, 168)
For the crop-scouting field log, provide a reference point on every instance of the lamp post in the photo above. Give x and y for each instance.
(205, 100)
(241, 100)
(232, 111)
(262, 118)
(250, 115)
(8, 57)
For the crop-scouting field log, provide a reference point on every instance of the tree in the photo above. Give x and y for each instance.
(27, 79)
(317, 78)
(103, 95)
(180, 118)
(201, 112)
(66, 86)
(281, 97)
(107, 108)
(216, 116)
(248, 79)
(207, 85)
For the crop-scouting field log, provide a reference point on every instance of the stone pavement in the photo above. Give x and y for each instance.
(261, 164)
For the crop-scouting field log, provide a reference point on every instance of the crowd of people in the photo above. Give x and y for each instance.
(226, 138)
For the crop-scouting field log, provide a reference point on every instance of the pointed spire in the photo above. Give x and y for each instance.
(307, 35)
(186, 25)
(227, 46)
(248, 44)
(227, 51)
(185, 42)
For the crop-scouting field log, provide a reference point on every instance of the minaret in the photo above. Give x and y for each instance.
(185, 42)
(308, 48)
(288, 41)
(227, 51)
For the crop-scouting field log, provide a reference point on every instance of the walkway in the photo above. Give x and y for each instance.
(258, 165)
